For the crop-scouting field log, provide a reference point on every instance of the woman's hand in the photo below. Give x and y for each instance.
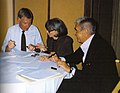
(54, 57)
(43, 58)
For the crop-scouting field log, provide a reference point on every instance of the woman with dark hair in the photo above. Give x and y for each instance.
(58, 41)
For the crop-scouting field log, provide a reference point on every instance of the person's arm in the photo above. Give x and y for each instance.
(70, 70)
(38, 38)
(46, 57)
(38, 42)
(64, 65)
(31, 47)
(65, 46)
(75, 58)
(7, 49)
(6, 40)
(8, 43)
(41, 47)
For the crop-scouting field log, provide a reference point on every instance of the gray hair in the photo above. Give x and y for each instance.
(86, 23)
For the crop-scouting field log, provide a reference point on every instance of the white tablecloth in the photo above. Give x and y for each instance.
(12, 64)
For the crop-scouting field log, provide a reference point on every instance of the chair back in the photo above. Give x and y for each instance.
(117, 87)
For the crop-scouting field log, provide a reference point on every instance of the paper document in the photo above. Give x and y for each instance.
(37, 75)
(32, 65)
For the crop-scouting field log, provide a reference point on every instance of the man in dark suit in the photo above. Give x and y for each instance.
(99, 73)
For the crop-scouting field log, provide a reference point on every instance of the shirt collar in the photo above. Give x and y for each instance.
(86, 44)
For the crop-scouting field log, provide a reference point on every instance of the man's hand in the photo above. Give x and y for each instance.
(64, 65)
(59, 62)
(11, 44)
(41, 47)
(31, 47)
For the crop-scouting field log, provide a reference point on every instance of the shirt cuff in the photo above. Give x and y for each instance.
(62, 58)
(70, 75)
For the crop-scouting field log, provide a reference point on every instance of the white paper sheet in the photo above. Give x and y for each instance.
(38, 74)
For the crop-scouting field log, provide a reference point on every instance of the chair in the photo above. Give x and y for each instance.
(117, 87)
(118, 66)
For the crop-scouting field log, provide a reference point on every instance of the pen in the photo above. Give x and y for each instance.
(34, 55)
(53, 68)
(51, 55)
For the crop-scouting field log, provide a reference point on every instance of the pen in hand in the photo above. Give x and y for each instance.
(13, 42)
(51, 55)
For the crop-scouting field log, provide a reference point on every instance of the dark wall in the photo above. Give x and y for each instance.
(102, 13)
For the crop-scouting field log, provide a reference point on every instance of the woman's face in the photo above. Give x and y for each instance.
(53, 34)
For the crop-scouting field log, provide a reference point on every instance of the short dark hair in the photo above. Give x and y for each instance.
(85, 19)
(25, 12)
(57, 25)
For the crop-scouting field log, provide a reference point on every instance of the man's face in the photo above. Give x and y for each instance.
(80, 34)
(24, 23)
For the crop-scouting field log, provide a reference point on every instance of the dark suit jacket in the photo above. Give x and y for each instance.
(99, 74)
(62, 46)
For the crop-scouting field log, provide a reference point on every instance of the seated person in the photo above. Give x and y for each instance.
(13, 40)
(99, 73)
(58, 41)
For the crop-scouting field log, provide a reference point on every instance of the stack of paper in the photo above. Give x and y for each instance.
(36, 75)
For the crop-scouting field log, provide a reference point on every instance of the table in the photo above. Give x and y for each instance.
(13, 64)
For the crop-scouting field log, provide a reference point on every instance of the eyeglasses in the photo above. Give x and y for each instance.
(51, 30)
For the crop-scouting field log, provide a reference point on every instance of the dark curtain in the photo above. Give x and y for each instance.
(116, 27)
(101, 11)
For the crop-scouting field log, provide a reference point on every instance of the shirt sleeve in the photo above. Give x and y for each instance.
(38, 38)
(68, 75)
(7, 38)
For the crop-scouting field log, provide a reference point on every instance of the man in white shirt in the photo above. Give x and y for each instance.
(99, 73)
(13, 41)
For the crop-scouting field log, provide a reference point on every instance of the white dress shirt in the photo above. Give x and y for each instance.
(14, 33)
(85, 46)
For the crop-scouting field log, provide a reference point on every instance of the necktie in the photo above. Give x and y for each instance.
(23, 42)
